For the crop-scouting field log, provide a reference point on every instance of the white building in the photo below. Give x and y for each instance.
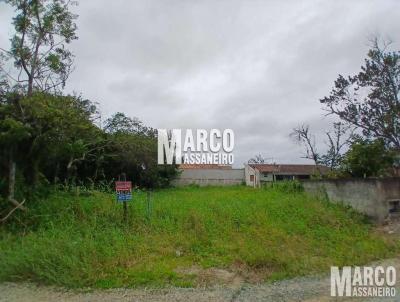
(256, 174)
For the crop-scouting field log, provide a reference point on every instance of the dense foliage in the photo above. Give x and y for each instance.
(367, 158)
(53, 139)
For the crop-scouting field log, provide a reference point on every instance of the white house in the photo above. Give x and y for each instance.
(256, 174)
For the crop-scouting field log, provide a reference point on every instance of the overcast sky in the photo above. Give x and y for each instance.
(257, 67)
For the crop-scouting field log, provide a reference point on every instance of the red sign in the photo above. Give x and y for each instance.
(123, 185)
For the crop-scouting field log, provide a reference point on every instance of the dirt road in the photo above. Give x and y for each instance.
(311, 289)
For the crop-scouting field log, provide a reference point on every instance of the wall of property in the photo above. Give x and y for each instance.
(373, 197)
(252, 176)
(266, 177)
(206, 177)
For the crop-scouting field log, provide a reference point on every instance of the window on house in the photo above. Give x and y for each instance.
(251, 177)
(394, 206)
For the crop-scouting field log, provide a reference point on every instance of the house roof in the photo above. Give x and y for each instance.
(204, 166)
(291, 169)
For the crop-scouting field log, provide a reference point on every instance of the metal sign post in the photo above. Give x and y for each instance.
(124, 194)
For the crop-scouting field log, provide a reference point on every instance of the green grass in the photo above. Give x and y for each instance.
(83, 241)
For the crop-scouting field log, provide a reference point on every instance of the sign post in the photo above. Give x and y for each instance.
(148, 214)
(124, 194)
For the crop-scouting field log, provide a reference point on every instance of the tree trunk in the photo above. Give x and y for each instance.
(12, 166)
(35, 173)
(69, 170)
(32, 174)
(57, 169)
(30, 88)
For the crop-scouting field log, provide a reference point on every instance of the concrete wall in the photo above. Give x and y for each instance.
(369, 196)
(215, 177)
(267, 177)
(249, 171)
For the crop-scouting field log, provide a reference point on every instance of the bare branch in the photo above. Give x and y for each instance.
(19, 206)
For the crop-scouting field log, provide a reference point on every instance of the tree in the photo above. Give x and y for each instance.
(338, 138)
(120, 123)
(43, 28)
(57, 129)
(42, 63)
(12, 133)
(367, 158)
(133, 151)
(302, 135)
(370, 100)
(257, 159)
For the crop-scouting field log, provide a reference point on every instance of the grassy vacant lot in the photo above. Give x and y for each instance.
(264, 234)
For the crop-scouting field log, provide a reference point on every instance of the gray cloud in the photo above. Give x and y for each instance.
(258, 67)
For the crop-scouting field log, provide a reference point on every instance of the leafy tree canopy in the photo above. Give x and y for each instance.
(370, 100)
(368, 158)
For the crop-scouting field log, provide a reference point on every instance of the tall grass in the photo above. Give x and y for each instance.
(84, 241)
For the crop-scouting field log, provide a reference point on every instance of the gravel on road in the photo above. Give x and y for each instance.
(309, 289)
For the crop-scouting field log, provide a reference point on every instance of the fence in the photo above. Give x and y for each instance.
(377, 198)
